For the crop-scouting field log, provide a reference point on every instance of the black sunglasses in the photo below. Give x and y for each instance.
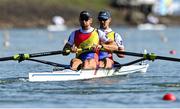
(84, 18)
(101, 19)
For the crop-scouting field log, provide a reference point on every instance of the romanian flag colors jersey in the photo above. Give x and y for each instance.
(84, 41)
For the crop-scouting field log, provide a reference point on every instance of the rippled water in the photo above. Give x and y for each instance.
(135, 90)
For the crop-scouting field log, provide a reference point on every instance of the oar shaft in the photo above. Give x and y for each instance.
(151, 56)
(129, 53)
(45, 54)
(21, 57)
(168, 58)
(6, 58)
(50, 63)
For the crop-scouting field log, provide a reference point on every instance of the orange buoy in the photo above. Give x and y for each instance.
(172, 52)
(169, 97)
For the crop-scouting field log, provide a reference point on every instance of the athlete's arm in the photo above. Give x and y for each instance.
(69, 44)
(119, 42)
(103, 38)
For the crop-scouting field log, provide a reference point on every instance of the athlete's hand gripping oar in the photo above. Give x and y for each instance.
(20, 57)
(151, 56)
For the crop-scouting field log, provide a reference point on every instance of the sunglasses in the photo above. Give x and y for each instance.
(101, 19)
(84, 18)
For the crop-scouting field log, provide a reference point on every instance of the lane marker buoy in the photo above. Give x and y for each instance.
(172, 52)
(169, 97)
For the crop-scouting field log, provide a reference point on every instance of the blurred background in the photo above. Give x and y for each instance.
(39, 13)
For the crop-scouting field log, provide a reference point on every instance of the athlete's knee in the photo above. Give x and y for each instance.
(101, 64)
(109, 63)
(75, 63)
(90, 64)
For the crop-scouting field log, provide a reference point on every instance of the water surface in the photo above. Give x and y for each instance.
(135, 90)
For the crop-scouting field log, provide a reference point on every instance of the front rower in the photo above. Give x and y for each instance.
(84, 38)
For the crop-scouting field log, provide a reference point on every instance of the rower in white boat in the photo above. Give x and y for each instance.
(89, 65)
(87, 37)
(105, 57)
(84, 38)
(84, 74)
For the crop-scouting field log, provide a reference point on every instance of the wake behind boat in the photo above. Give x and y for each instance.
(67, 74)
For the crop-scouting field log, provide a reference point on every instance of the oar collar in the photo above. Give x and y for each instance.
(21, 57)
(151, 56)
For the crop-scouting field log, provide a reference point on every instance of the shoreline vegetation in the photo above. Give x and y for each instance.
(39, 13)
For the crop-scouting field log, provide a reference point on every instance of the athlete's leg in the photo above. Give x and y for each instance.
(75, 63)
(109, 63)
(102, 63)
(90, 64)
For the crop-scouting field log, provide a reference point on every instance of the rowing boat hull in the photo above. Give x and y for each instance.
(67, 74)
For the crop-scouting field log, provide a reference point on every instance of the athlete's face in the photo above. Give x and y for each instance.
(104, 23)
(85, 23)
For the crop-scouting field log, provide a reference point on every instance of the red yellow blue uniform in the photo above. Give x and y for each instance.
(86, 39)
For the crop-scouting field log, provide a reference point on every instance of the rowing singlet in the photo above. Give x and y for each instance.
(86, 41)
(102, 55)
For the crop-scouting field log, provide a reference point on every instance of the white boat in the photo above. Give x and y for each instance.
(54, 28)
(148, 26)
(67, 74)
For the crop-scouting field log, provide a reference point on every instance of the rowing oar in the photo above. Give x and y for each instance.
(50, 63)
(21, 57)
(151, 56)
